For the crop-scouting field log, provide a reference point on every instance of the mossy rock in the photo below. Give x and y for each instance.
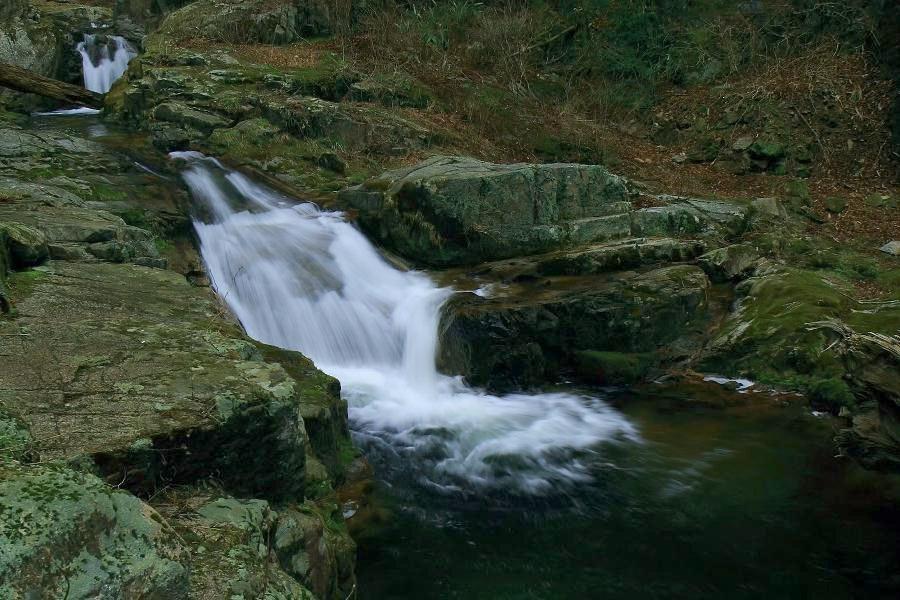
(767, 149)
(69, 535)
(835, 204)
(617, 368)
(455, 210)
(27, 246)
(393, 89)
(771, 336)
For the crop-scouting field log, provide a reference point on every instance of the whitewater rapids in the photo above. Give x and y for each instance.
(101, 68)
(305, 279)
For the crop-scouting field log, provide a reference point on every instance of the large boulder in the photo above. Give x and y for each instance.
(451, 210)
(540, 332)
(257, 21)
(65, 534)
(135, 366)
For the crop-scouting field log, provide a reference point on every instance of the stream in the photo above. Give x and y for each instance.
(700, 492)
(660, 492)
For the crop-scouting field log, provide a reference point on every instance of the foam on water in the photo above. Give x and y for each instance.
(305, 279)
(103, 62)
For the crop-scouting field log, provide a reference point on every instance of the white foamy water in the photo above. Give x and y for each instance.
(68, 112)
(104, 60)
(305, 279)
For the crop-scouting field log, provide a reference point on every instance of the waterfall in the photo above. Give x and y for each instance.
(305, 279)
(103, 60)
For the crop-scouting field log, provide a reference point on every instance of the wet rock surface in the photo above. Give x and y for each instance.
(120, 380)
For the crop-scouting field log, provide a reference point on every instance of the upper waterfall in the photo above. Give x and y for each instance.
(104, 59)
(305, 279)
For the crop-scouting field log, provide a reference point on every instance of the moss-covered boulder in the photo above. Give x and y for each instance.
(314, 547)
(231, 549)
(145, 377)
(772, 334)
(452, 210)
(257, 21)
(65, 534)
(541, 331)
(730, 263)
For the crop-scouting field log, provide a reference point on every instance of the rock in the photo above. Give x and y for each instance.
(616, 368)
(27, 246)
(773, 332)
(66, 534)
(769, 207)
(730, 263)
(877, 200)
(230, 542)
(615, 256)
(258, 21)
(767, 149)
(835, 204)
(515, 342)
(183, 115)
(687, 216)
(43, 220)
(743, 143)
(147, 381)
(316, 550)
(452, 210)
(332, 162)
(871, 362)
(892, 248)
(392, 90)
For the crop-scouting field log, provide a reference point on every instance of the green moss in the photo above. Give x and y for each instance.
(107, 193)
(15, 441)
(22, 283)
(771, 336)
(329, 79)
(613, 367)
(831, 394)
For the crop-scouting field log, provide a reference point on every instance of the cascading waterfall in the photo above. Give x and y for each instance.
(305, 279)
(104, 59)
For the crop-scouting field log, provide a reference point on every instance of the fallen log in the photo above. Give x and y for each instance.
(23, 80)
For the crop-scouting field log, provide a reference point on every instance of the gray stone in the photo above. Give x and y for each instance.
(730, 263)
(69, 535)
(892, 248)
(453, 210)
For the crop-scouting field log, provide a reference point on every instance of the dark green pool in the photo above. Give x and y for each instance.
(741, 498)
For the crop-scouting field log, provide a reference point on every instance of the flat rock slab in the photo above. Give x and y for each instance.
(454, 210)
(137, 369)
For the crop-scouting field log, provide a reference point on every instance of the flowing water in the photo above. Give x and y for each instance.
(700, 494)
(305, 279)
(103, 60)
(555, 496)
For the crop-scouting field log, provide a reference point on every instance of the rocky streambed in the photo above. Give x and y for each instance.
(152, 446)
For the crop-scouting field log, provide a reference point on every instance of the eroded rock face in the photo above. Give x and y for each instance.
(451, 210)
(520, 341)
